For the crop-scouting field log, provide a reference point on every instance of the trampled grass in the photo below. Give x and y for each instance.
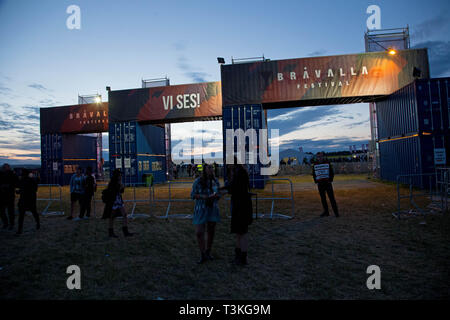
(303, 258)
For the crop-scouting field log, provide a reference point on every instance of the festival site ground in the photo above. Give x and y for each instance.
(303, 258)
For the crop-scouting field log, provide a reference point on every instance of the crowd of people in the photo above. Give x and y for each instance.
(206, 192)
(26, 188)
(188, 170)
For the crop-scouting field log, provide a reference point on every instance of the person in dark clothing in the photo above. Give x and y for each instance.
(27, 202)
(8, 184)
(323, 175)
(90, 186)
(114, 205)
(76, 192)
(241, 210)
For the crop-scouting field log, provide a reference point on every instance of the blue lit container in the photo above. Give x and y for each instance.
(420, 107)
(137, 150)
(412, 123)
(245, 117)
(63, 153)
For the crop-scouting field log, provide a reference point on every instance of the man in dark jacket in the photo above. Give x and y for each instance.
(27, 202)
(8, 184)
(90, 186)
(323, 175)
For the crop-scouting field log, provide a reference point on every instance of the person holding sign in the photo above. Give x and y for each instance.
(323, 175)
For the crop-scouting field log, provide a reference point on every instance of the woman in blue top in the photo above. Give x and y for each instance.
(205, 192)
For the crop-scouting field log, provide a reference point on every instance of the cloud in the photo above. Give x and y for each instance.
(197, 76)
(5, 105)
(431, 26)
(439, 55)
(38, 86)
(7, 125)
(190, 72)
(179, 46)
(320, 52)
(32, 109)
(4, 90)
(339, 144)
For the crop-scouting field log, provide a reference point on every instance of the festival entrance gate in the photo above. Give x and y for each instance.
(245, 90)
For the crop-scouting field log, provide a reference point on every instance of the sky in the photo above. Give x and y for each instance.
(45, 64)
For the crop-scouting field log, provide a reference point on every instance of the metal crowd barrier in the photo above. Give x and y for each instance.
(443, 186)
(171, 200)
(273, 198)
(441, 182)
(52, 199)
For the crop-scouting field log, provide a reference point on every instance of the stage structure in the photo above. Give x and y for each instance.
(136, 118)
(69, 140)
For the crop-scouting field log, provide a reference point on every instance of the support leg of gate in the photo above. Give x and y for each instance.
(167, 211)
(46, 208)
(132, 210)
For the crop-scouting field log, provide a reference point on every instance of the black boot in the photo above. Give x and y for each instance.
(111, 233)
(202, 259)
(325, 214)
(208, 254)
(243, 260)
(126, 233)
(38, 225)
(237, 255)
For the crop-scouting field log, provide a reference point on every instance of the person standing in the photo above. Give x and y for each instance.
(241, 210)
(76, 192)
(90, 187)
(323, 175)
(27, 201)
(205, 192)
(8, 184)
(114, 205)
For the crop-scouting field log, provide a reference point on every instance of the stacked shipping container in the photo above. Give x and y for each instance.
(138, 150)
(62, 154)
(246, 117)
(412, 123)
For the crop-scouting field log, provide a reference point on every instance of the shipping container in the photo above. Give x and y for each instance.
(246, 117)
(420, 107)
(414, 124)
(61, 151)
(138, 150)
(411, 155)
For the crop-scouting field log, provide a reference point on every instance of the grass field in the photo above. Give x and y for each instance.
(303, 258)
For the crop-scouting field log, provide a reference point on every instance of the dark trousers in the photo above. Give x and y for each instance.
(27, 207)
(7, 204)
(85, 205)
(327, 188)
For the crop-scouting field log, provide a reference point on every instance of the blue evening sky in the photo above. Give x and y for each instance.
(44, 64)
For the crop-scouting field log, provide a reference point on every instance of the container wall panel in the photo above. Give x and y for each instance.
(246, 117)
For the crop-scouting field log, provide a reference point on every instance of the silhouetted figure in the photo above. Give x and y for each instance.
(76, 191)
(114, 205)
(241, 210)
(8, 184)
(323, 175)
(205, 192)
(90, 186)
(27, 202)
